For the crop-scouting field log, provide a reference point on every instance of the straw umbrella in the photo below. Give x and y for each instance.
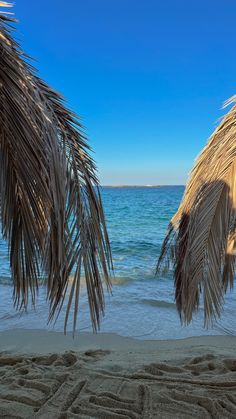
(51, 210)
(200, 243)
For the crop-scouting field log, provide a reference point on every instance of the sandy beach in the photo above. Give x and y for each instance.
(49, 375)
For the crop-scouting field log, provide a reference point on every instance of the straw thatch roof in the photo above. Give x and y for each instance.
(200, 244)
(51, 211)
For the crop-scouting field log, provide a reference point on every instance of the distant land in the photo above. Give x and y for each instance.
(137, 186)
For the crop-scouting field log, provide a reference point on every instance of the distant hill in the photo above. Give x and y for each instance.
(138, 186)
(131, 186)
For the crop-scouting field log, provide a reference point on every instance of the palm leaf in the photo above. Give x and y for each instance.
(51, 209)
(200, 243)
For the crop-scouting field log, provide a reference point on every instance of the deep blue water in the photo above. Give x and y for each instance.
(142, 305)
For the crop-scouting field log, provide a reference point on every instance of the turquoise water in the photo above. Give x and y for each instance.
(137, 220)
(142, 305)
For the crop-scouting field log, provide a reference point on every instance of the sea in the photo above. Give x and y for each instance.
(142, 304)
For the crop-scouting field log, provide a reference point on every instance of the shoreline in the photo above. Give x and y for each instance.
(47, 374)
(31, 341)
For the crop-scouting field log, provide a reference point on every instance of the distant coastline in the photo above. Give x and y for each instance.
(138, 186)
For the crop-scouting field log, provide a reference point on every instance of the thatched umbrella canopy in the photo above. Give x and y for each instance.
(201, 239)
(51, 211)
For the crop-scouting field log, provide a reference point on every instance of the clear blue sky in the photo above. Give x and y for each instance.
(148, 77)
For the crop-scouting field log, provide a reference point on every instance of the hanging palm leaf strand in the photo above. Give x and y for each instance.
(200, 243)
(51, 209)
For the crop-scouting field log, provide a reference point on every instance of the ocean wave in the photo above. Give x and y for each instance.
(42, 281)
(120, 280)
(129, 245)
(13, 315)
(158, 303)
(6, 280)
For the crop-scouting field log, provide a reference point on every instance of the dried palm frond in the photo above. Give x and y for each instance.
(201, 239)
(51, 210)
